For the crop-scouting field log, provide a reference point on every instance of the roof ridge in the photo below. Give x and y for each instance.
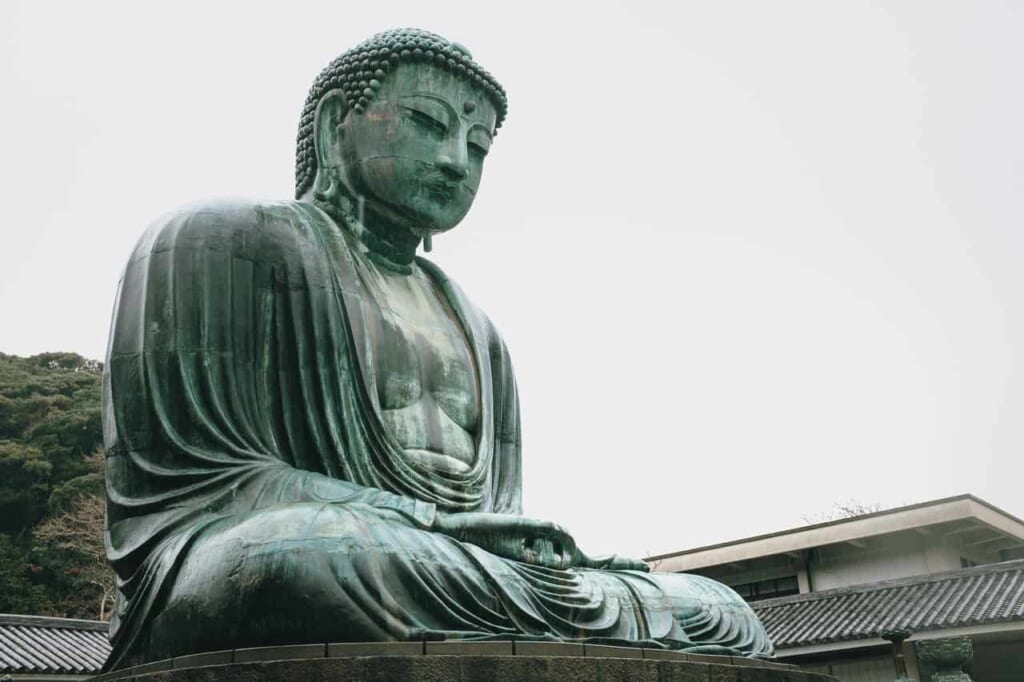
(53, 622)
(920, 579)
(834, 522)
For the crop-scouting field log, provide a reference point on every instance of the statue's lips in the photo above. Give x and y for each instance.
(442, 191)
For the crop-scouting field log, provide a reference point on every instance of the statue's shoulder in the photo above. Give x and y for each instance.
(248, 228)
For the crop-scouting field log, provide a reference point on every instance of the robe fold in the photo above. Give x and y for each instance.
(254, 495)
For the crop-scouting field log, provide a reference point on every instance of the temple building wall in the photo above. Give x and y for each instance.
(882, 559)
(899, 555)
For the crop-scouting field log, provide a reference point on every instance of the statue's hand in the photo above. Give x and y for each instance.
(513, 537)
(610, 562)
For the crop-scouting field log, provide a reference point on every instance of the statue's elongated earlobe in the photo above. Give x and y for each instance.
(330, 113)
(327, 179)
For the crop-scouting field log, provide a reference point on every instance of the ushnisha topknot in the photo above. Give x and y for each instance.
(360, 71)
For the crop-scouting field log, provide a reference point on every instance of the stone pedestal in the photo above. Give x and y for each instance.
(948, 656)
(461, 661)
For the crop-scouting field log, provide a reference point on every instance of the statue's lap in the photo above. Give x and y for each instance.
(313, 572)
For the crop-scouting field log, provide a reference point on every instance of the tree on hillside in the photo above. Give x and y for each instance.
(49, 422)
(70, 544)
(49, 427)
(19, 592)
(24, 482)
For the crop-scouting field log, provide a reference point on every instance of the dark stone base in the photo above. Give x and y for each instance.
(438, 667)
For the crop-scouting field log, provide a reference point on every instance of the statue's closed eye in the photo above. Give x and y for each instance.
(478, 149)
(426, 121)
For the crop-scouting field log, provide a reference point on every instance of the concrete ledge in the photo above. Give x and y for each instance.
(463, 661)
(606, 651)
(277, 653)
(349, 649)
(471, 648)
(549, 649)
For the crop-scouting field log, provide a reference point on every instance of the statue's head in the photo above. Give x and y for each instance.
(401, 125)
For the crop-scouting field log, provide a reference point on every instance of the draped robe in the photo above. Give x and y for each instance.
(254, 495)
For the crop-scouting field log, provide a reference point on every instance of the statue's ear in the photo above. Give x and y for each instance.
(327, 132)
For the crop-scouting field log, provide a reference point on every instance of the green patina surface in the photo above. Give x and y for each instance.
(313, 435)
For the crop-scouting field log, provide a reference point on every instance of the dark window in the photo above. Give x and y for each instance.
(766, 589)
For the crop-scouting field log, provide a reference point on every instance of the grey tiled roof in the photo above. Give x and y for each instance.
(35, 644)
(971, 596)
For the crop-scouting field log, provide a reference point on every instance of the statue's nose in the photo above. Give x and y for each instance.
(453, 166)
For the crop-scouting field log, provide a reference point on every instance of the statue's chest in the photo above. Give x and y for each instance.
(417, 351)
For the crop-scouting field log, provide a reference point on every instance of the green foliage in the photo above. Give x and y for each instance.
(49, 426)
(24, 481)
(69, 547)
(18, 592)
(65, 495)
(49, 422)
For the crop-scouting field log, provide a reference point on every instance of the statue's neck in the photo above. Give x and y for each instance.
(386, 245)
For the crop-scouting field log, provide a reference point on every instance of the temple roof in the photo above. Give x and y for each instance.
(36, 644)
(950, 514)
(939, 601)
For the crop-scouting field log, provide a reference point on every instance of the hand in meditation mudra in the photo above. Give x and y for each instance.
(313, 435)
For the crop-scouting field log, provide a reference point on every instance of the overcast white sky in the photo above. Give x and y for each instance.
(750, 258)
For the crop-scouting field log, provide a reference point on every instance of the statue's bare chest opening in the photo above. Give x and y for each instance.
(423, 369)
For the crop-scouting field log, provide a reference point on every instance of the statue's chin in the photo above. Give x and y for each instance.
(420, 220)
(423, 224)
(423, 232)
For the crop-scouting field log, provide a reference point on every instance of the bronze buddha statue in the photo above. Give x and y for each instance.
(313, 435)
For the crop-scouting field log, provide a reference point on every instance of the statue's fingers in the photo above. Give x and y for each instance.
(581, 560)
(538, 552)
(512, 548)
(546, 553)
(560, 535)
(619, 563)
(526, 527)
(555, 555)
(568, 557)
(566, 542)
(563, 550)
(541, 530)
(550, 544)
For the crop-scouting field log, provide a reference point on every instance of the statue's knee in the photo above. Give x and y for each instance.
(688, 593)
(284, 554)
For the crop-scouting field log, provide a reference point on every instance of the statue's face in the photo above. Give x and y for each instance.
(416, 153)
